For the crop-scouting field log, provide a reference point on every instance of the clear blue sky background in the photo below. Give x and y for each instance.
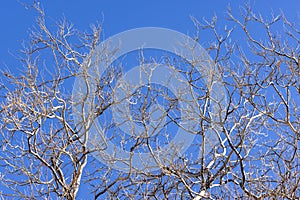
(15, 19)
(121, 15)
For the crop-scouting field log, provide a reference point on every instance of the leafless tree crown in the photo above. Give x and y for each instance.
(45, 153)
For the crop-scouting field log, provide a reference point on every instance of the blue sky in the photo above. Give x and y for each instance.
(118, 16)
(16, 20)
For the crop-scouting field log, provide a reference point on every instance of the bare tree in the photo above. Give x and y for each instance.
(249, 149)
